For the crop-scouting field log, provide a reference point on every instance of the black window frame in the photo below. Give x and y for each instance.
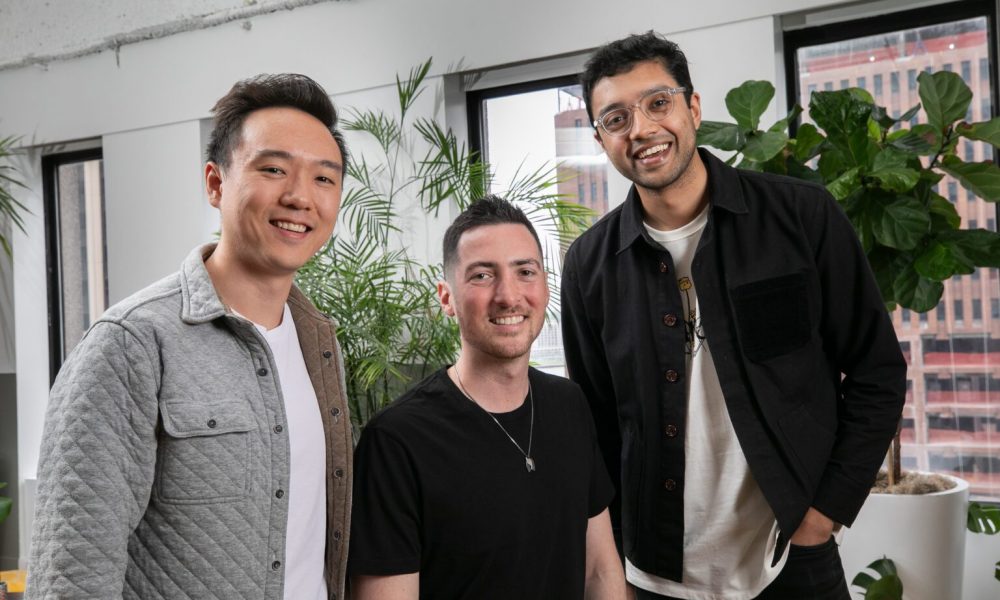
(53, 247)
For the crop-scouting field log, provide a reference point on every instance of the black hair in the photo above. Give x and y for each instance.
(489, 210)
(622, 55)
(289, 90)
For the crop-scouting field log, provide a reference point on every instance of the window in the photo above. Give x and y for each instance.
(862, 83)
(812, 88)
(74, 232)
(539, 119)
(877, 84)
(844, 84)
(947, 67)
(953, 357)
(828, 86)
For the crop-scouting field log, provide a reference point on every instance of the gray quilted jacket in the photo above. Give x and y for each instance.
(164, 459)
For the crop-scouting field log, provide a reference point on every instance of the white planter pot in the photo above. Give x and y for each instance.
(924, 535)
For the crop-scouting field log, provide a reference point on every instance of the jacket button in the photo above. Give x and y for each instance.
(335, 411)
(212, 423)
(278, 429)
(262, 371)
(276, 565)
(670, 485)
(336, 534)
(671, 431)
(338, 473)
(670, 319)
(672, 376)
(327, 354)
(663, 267)
(279, 494)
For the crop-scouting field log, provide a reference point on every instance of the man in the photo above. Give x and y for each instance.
(485, 480)
(725, 327)
(197, 443)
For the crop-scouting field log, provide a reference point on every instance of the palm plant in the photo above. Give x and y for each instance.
(391, 328)
(10, 208)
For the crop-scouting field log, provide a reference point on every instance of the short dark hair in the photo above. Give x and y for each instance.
(622, 55)
(489, 210)
(289, 90)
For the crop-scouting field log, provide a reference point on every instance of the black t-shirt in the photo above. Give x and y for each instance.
(440, 489)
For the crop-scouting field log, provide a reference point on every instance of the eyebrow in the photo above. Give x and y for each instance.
(285, 155)
(642, 94)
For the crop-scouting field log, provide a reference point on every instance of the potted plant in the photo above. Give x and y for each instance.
(884, 174)
(391, 328)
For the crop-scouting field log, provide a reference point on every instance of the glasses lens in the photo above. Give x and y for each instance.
(657, 105)
(617, 121)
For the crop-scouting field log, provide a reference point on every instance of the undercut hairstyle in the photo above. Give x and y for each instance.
(622, 55)
(489, 210)
(284, 90)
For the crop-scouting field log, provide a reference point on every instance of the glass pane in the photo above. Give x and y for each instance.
(952, 415)
(81, 248)
(548, 128)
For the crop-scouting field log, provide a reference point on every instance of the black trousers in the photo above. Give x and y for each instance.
(811, 573)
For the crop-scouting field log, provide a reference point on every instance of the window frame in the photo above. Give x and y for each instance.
(53, 247)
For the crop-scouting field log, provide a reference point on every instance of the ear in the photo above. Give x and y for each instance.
(444, 296)
(696, 109)
(213, 183)
(597, 138)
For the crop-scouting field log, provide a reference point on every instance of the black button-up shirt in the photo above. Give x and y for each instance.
(807, 358)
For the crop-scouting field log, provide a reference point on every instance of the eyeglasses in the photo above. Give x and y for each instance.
(656, 105)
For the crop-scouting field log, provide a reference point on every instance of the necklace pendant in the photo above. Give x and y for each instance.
(529, 464)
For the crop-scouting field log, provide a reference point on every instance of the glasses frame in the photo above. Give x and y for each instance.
(671, 91)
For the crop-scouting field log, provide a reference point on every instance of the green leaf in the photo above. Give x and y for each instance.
(921, 139)
(899, 222)
(844, 118)
(988, 131)
(888, 586)
(748, 102)
(808, 141)
(842, 186)
(5, 506)
(981, 178)
(996, 572)
(916, 292)
(983, 518)
(782, 124)
(724, 136)
(763, 146)
(981, 247)
(896, 179)
(944, 212)
(945, 97)
(940, 261)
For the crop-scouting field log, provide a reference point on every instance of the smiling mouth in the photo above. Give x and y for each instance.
(512, 320)
(296, 227)
(652, 150)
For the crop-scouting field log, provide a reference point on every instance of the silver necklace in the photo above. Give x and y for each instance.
(529, 463)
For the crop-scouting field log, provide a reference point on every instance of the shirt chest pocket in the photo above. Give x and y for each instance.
(773, 315)
(204, 451)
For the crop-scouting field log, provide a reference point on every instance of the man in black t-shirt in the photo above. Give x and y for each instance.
(485, 480)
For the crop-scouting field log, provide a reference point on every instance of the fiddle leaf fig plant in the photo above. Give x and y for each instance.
(884, 172)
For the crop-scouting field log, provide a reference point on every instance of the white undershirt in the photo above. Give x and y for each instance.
(730, 532)
(305, 539)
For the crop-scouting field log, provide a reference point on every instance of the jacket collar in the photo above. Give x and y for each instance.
(724, 193)
(200, 302)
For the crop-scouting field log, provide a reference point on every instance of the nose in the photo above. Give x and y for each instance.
(641, 125)
(505, 292)
(296, 192)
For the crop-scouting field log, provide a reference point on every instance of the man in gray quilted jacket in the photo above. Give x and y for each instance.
(197, 442)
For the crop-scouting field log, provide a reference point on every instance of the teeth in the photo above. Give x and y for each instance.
(290, 226)
(508, 320)
(651, 151)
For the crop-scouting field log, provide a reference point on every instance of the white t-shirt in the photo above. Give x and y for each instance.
(305, 540)
(730, 532)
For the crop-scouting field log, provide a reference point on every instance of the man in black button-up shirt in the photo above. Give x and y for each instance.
(808, 367)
